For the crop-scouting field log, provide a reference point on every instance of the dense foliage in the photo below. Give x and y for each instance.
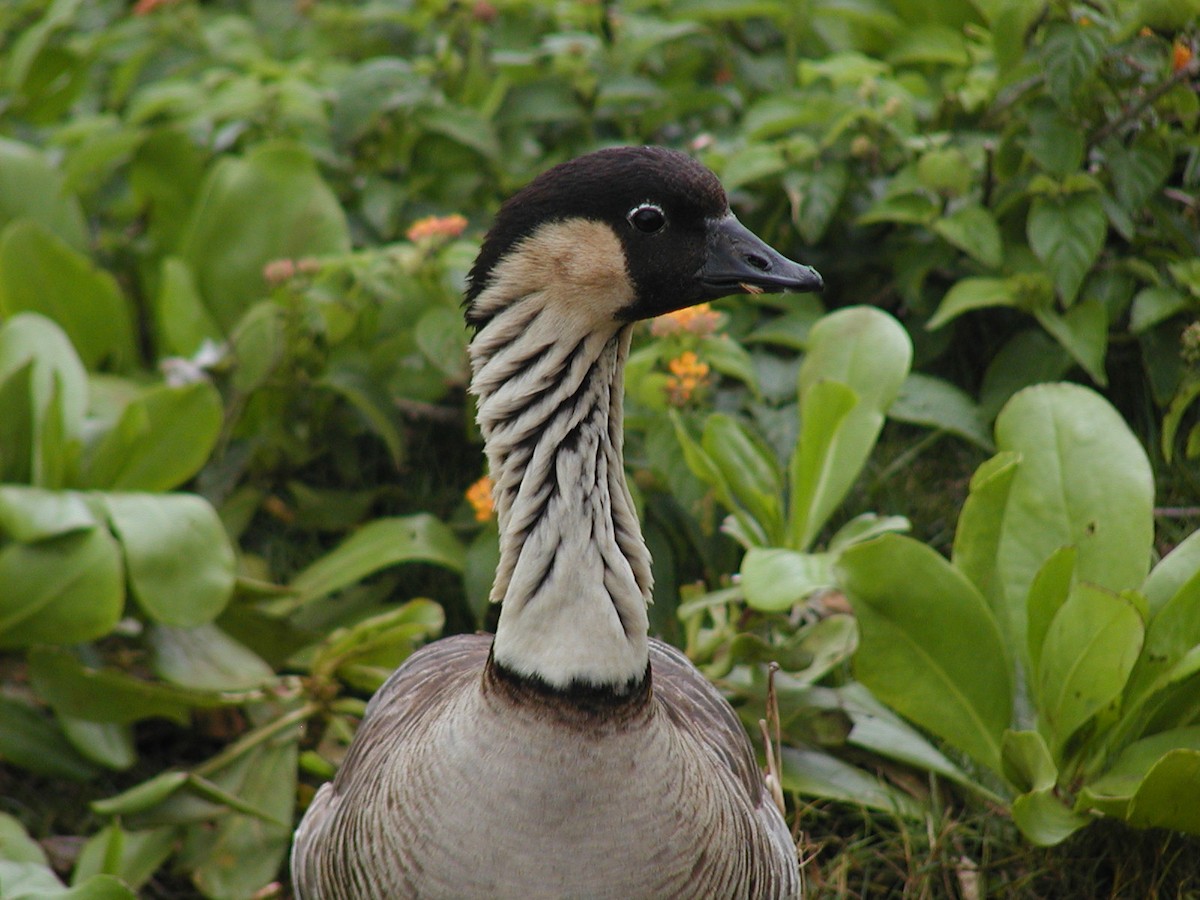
(232, 392)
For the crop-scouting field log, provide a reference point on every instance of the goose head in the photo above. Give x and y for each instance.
(623, 234)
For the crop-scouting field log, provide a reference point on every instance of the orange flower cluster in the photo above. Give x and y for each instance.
(479, 495)
(701, 319)
(688, 374)
(436, 227)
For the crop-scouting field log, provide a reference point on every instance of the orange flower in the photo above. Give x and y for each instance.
(436, 227)
(1181, 55)
(688, 374)
(479, 495)
(702, 320)
(145, 7)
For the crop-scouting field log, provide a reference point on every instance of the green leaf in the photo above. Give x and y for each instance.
(132, 856)
(816, 195)
(182, 321)
(749, 469)
(1138, 171)
(31, 189)
(1069, 56)
(1084, 481)
(206, 658)
(1055, 142)
(1044, 819)
(1153, 305)
(1083, 332)
(106, 743)
(934, 403)
(1173, 633)
(372, 401)
(973, 230)
(271, 204)
(16, 845)
(706, 469)
(907, 599)
(1172, 573)
(1113, 791)
(970, 294)
(980, 526)
(1027, 762)
(1067, 233)
(32, 338)
(142, 797)
(387, 639)
(161, 440)
(29, 514)
(1029, 357)
(1169, 796)
(812, 773)
(30, 740)
(42, 274)
(869, 352)
(62, 590)
(442, 336)
(776, 579)
(243, 853)
(1048, 592)
(179, 560)
(378, 545)
(1090, 648)
(107, 695)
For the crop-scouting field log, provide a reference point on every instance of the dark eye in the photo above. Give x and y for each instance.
(647, 218)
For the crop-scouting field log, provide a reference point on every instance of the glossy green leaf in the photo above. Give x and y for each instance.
(704, 467)
(62, 590)
(980, 526)
(162, 439)
(179, 560)
(907, 599)
(1089, 650)
(1172, 636)
(271, 204)
(1172, 572)
(378, 545)
(1084, 481)
(40, 273)
(826, 407)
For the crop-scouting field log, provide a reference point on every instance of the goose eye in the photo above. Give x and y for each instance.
(647, 218)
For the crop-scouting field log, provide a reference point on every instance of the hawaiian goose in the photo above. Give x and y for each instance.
(570, 755)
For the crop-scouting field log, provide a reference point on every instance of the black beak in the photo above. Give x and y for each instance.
(740, 262)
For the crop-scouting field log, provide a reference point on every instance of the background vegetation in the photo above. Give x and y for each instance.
(239, 480)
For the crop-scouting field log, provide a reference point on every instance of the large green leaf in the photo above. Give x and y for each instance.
(930, 646)
(62, 590)
(182, 321)
(375, 546)
(1090, 647)
(749, 469)
(1169, 796)
(1084, 481)
(1044, 818)
(974, 293)
(206, 658)
(981, 524)
(29, 514)
(271, 204)
(934, 403)
(179, 560)
(973, 230)
(1083, 332)
(40, 273)
(869, 352)
(776, 579)
(162, 438)
(816, 774)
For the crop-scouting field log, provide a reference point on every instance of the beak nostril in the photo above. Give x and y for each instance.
(759, 262)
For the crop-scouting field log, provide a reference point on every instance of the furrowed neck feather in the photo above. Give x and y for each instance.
(574, 574)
